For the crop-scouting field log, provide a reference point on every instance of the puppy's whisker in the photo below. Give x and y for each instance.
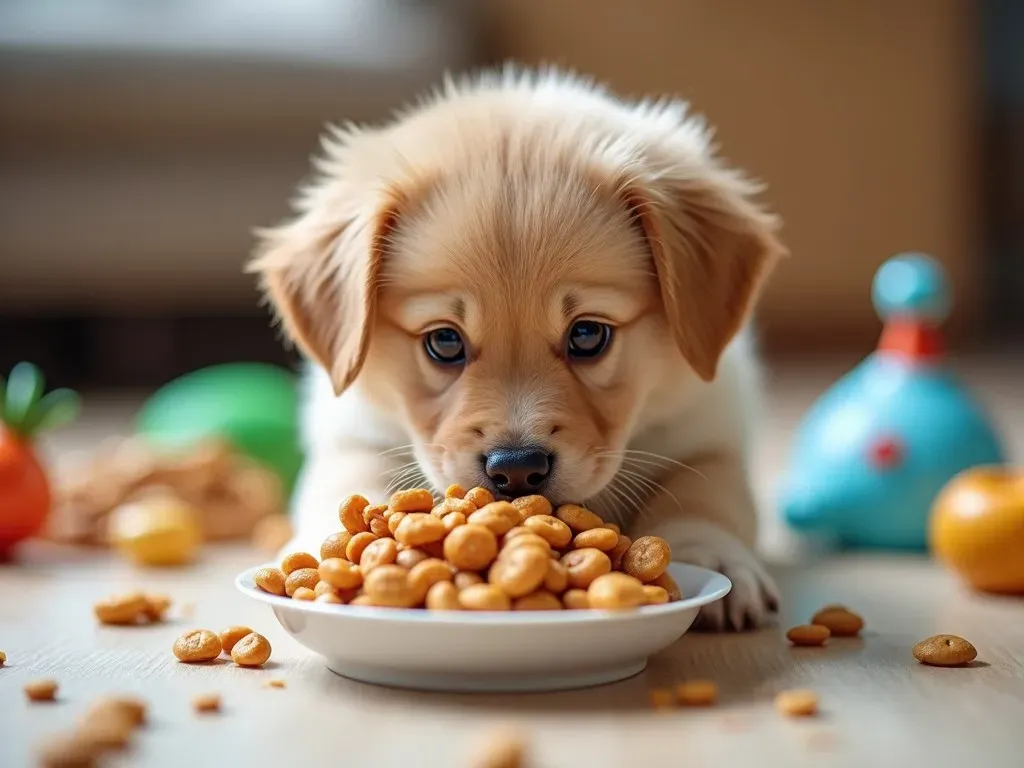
(627, 495)
(655, 486)
(402, 468)
(654, 458)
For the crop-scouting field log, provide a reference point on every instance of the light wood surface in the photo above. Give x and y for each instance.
(879, 707)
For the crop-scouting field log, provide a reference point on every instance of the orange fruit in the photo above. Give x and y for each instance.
(977, 528)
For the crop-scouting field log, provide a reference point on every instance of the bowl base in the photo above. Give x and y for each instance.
(483, 682)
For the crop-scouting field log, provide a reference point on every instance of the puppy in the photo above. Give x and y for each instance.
(529, 285)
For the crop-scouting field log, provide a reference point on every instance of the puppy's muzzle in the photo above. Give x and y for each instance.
(518, 471)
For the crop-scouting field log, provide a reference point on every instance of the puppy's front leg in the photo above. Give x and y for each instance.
(327, 477)
(708, 517)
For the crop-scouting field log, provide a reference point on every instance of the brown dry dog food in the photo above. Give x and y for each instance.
(3, 658)
(156, 606)
(127, 708)
(44, 689)
(303, 577)
(297, 560)
(197, 646)
(809, 634)
(614, 591)
(470, 552)
(840, 621)
(270, 580)
(121, 609)
(230, 636)
(455, 491)
(206, 702)
(697, 693)
(501, 749)
(647, 558)
(662, 698)
(797, 703)
(253, 650)
(945, 651)
(69, 750)
(350, 513)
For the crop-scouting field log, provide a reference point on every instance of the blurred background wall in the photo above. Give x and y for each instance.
(140, 142)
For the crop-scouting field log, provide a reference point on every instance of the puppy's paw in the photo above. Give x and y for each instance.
(754, 598)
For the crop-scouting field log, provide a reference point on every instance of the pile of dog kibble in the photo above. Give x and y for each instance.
(469, 552)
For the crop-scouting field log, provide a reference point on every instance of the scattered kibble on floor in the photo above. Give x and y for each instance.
(43, 689)
(797, 703)
(697, 693)
(945, 651)
(207, 702)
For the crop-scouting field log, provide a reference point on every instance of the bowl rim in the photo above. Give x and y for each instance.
(715, 587)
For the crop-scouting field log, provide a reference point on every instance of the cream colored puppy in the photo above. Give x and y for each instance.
(530, 285)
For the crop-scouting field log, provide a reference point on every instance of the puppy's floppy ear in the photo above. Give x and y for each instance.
(321, 272)
(712, 246)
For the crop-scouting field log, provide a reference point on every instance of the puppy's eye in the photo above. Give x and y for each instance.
(445, 346)
(588, 339)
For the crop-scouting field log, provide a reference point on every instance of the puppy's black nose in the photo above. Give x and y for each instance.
(517, 471)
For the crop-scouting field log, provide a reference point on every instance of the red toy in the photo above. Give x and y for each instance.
(25, 494)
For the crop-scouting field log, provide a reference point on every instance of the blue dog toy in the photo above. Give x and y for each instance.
(875, 450)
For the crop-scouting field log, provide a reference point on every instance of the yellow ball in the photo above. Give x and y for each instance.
(977, 528)
(157, 530)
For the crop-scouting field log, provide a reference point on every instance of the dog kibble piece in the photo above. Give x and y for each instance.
(443, 596)
(106, 735)
(655, 595)
(330, 597)
(276, 683)
(647, 558)
(3, 658)
(666, 582)
(945, 651)
(156, 606)
(499, 516)
(578, 518)
(340, 574)
(304, 593)
(530, 506)
(541, 600)
(613, 527)
(520, 572)
(484, 597)
(351, 514)
(453, 521)
(419, 528)
(379, 527)
(377, 553)
(451, 506)
(551, 529)
(480, 497)
(121, 610)
(296, 561)
(614, 591)
(501, 749)
(323, 588)
(464, 579)
(394, 520)
(130, 709)
(334, 545)
(253, 650)
(43, 689)
(662, 698)
(619, 551)
(585, 565)
(304, 577)
(407, 558)
(426, 574)
(797, 703)
(375, 511)
(697, 693)
(455, 491)
(576, 599)
(418, 500)
(388, 586)
(471, 547)
(808, 634)
(69, 751)
(230, 637)
(357, 544)
(840, 621)
(206, 703)
(270, 580)
(197, 646)
(596, 538)
(557, 578)
(525, 540)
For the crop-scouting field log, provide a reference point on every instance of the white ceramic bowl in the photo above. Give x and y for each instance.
(491, 651)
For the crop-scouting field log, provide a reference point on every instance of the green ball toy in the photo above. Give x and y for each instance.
(253, 406)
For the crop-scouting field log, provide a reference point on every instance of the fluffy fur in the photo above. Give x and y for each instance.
(509, 206)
